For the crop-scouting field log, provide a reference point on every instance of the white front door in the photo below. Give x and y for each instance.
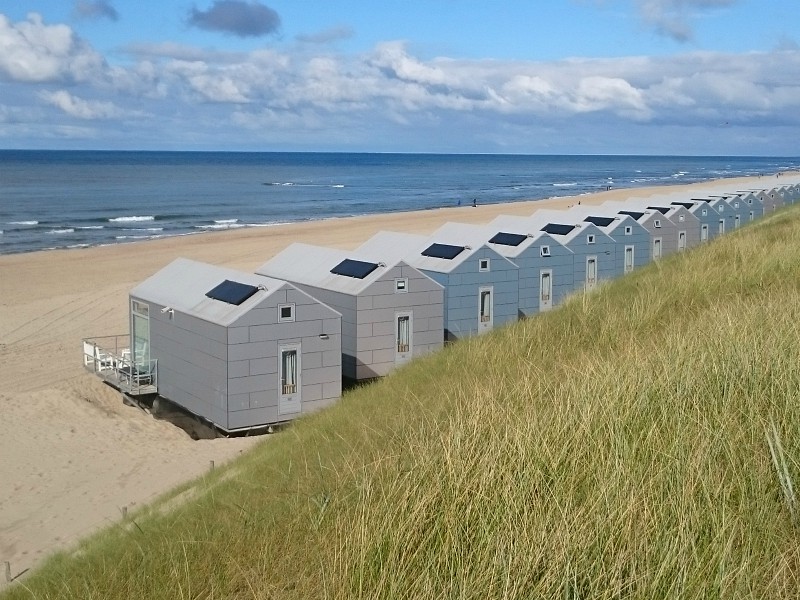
(289, 379)
(629, 259)
(736, 222)
(704, 233)
(591, 272)
(403, 336)
(485, 309)
(721, 226)
(681, 240)
(545, 289)
(656, 248)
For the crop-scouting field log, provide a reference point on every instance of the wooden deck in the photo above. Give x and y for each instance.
(109, 358)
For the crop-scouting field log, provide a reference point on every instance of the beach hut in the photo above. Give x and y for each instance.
(663, 232)
(546, 267)
(594, 252)
(706, 215)
(481, 286)
(239, 350)
(686, 223)
(739, 208)
(391, 312)
(725, 220)
(633, 240)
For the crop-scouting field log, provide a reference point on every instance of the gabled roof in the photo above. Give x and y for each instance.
(518, 226)
(345, 271)
(200, 290)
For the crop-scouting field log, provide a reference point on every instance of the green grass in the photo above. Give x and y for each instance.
(618, 447)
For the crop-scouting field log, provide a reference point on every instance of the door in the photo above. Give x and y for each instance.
(545, 289)
(403, 337)
(681, 240)
(656, 248)
(485, 309)
(704, 233)
(290, 377)
(591, 272)
(736, 222)
(628, 259)
(721, 226)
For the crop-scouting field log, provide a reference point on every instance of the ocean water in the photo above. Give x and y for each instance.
(73, 199)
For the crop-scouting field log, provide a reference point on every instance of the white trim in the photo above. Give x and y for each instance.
(401, 285)
(290, 385)
(286, 318)
(626, 268)
(544, 251)
(545, 300)
(591, 282)
(485, 321)
(484, 265)
(405, 352)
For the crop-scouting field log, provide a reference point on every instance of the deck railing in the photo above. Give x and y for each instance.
(109, 357)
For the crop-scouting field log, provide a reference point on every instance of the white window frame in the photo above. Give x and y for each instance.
(401, 285)
(681, 218)
(590, 238)
(590, 284)
(484, 265)
(545, 302)
(628, 230)
(401, 353)
(544, 251)
(704, 232)
(485, 322)
(291, 317)
(704, 212)
(657, 223)
(290, 398)
(628, 268)
(682, 240)
(658, 243)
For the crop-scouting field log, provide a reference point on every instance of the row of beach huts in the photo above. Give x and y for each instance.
(250, 350)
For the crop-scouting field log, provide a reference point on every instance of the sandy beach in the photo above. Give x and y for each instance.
(72, 455)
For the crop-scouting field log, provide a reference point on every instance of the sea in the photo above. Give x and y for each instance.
(76, 199)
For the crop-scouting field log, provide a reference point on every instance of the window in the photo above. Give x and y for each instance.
(486, 306)
(544, 250)
(591, 272)
(289, 371)
(401, 285)
(403, 333)
(590, 239)
(285, 313)
(628, 259)
(720, 207)
(483, 264)
(546, 285)
(657, 223)
(681, 218)
(735, 205)
(752, 216)
(704, 212)
(628, 230)
(140, 328)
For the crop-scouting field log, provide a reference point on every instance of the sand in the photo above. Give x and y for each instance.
(72, 455)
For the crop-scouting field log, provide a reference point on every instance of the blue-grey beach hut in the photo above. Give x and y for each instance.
(239, 350)
(391, 312)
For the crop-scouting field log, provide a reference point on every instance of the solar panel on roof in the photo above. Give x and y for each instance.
(662, 209)
(684, 204)
(232, 292)
(358, 269)
(600, 221)
(557, 228)
(445, 251)
(508, 239)
(631, 213)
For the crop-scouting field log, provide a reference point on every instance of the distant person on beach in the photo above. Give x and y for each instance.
(475, 203)
(459, 202)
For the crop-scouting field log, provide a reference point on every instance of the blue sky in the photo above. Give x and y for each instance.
(569, 76)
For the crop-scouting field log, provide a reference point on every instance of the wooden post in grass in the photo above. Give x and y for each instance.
(8, 572)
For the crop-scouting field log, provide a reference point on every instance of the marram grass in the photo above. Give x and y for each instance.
(621, 446)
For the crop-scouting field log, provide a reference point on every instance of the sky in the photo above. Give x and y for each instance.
(697, 77)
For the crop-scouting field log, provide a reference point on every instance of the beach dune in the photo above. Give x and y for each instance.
(72, 455)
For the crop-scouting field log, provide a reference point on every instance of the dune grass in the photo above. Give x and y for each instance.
(641, 441)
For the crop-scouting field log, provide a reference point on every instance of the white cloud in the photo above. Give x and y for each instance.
(31, 51)
(82, 109)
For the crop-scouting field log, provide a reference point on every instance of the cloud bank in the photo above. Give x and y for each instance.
(95, 9)
(390, 99)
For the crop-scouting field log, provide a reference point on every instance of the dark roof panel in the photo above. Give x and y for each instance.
(445, 251)
(662, 209)
(357, 269)
(600, 221)
(508, 239)
(684, 204)
(557, 228)
(632, 213)
(232, 292)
